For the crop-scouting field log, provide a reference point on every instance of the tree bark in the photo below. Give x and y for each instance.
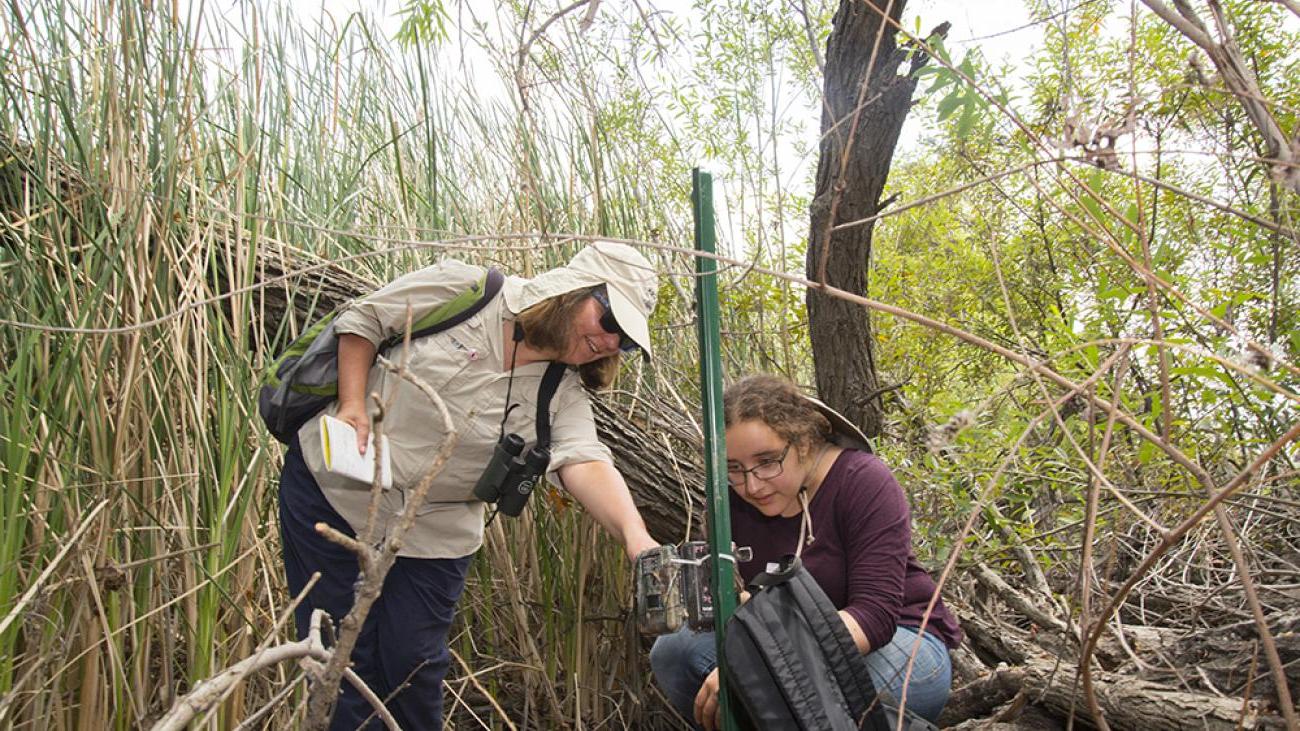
(663, 474)
(1127, 702)
(860, 128)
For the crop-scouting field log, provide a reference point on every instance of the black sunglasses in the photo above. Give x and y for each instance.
(609, 323)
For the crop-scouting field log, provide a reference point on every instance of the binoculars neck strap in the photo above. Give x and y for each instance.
(545, 391)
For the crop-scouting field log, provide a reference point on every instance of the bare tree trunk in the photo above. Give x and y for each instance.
(865, 103)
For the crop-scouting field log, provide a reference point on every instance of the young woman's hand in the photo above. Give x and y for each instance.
(708, 711)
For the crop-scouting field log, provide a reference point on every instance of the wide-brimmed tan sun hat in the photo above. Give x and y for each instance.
(630, 281)
(844, 433)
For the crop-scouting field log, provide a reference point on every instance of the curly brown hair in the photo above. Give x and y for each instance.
(778, 403)
(548, 324)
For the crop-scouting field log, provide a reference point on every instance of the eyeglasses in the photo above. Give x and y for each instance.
(764, 470)
(609, 323)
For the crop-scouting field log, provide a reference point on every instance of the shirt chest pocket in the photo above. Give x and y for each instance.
(442, 359)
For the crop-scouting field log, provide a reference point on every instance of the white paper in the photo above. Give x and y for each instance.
(339, 443)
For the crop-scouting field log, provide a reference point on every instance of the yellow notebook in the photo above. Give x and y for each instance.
(338, 441)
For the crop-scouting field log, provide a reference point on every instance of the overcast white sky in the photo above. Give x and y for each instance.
(970, 20)
(998, 28)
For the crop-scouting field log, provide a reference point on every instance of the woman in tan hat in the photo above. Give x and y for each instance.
(804, 482)
(488, 370)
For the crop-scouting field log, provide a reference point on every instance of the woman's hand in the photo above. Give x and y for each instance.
(355, 414)
(638, 541)
(356, 354)
(708, 711)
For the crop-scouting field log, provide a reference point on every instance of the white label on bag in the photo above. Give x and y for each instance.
(772, 567)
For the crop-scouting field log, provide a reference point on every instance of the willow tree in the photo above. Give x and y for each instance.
(866, 100)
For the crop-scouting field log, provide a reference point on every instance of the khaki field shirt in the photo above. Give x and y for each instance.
(463, 365)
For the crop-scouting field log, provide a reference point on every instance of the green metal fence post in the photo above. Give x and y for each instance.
(715, 451)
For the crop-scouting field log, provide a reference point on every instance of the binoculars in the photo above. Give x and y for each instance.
(512, 474)
(673, 588)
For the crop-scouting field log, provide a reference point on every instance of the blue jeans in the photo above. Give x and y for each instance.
(402, 651)
(681, 661)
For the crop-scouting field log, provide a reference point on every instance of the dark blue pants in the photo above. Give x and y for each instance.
(402, 651)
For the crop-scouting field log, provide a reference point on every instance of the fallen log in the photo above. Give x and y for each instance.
(1132, 703)
(663, 474)
(1126, 702)
(1042, 664)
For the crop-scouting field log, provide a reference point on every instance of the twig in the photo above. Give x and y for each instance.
(1177, 533)
(211, 690)
(266, 643)
(473, 678)
(49, 568)
(986, 498)
(375, 562)
(1239, 79)
(251, 721)
(1085, 560)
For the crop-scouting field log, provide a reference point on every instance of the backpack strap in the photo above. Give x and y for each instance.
(456, 310)
(545, 391)
(786, 568)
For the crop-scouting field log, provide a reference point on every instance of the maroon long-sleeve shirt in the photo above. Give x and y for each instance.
(861, 555)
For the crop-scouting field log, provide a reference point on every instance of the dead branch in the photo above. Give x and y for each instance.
(1239, 79)
(210, 691)
(375, 562)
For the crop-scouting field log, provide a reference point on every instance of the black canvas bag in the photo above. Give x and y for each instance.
(792, 664)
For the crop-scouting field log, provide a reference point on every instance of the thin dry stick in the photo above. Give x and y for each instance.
(541, 29)
(1245, 371)
(376, 490)
(1093, 470)
(986, 498)
(375, 562)
(454, 243)
(72, 541)
(1240, 80)
(473, 678)
(846, 149)
(254, 719)
(266, 642)
(1177, 533)
(210, 691)
(1220, 515)
(521, 621)
(1153, 300)
(461, 701)
(1085, 560)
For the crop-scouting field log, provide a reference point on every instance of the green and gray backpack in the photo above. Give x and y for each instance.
(305, 378)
